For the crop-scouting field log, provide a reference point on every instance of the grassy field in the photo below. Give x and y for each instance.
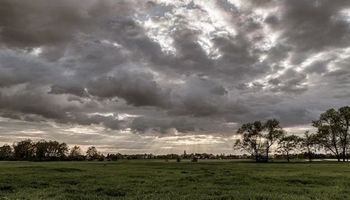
(162, 180)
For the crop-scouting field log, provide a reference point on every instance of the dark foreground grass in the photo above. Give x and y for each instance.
(161, 180)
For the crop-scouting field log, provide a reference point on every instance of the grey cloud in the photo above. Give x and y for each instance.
(339, 77)
(312, 26)
(16, 68)
(318, 67)
(39, 22)
(199, 97)
(137, 88)
(99, 57)
(290, 81)
(35, 105)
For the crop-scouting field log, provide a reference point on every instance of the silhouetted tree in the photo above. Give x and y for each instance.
(92, 153)
(288, 144)
(309, 144)
(50, 150)
(330, 132)
(114, 157)
(41, 150)
(23, 150)
(101, 157)
(60, 150)
(76, 153)
(5, 152)
(257, 138)
(345, 121)
(251, 139)
(273, 135)
(194, 159)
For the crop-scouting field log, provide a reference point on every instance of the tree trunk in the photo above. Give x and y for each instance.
(287, 156)
(256, 154)
(337, 153)
(309, 154)
(267, 154)
(256, 157)
(334, 145)
(345, 141)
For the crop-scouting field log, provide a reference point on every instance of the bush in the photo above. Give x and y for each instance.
(194, 159)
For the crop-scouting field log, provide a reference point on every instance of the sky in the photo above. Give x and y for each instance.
(164, 76)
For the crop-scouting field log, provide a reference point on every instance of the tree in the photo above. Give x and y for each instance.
(41, 150)
(194, 159)
(5, 152)
(50, 150)
(251, 139)
(345, 118)
(330, 132)
(92, 153)
(75, 151)
(23, 150)
(273, 135)
(62, 150)
(288, 144)
(333, 131)
(309, 142)
(114, 157)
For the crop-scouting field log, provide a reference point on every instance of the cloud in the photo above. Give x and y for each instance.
(161, 67)
(39, 22)
(135, 87)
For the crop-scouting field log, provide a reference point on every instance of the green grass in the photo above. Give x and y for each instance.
(162, 180)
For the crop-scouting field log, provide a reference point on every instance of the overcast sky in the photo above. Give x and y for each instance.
(165, 76)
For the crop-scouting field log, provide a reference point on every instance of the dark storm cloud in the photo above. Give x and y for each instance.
(40, 22)
(315, 24)
(137, 88)
(18, 68)
(157, 66)
(312, 26)
(34, 105)
(199, 97)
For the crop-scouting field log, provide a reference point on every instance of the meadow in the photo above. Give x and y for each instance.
(172, 180)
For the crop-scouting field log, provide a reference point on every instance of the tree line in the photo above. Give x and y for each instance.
(259, 139)
(42, 150)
